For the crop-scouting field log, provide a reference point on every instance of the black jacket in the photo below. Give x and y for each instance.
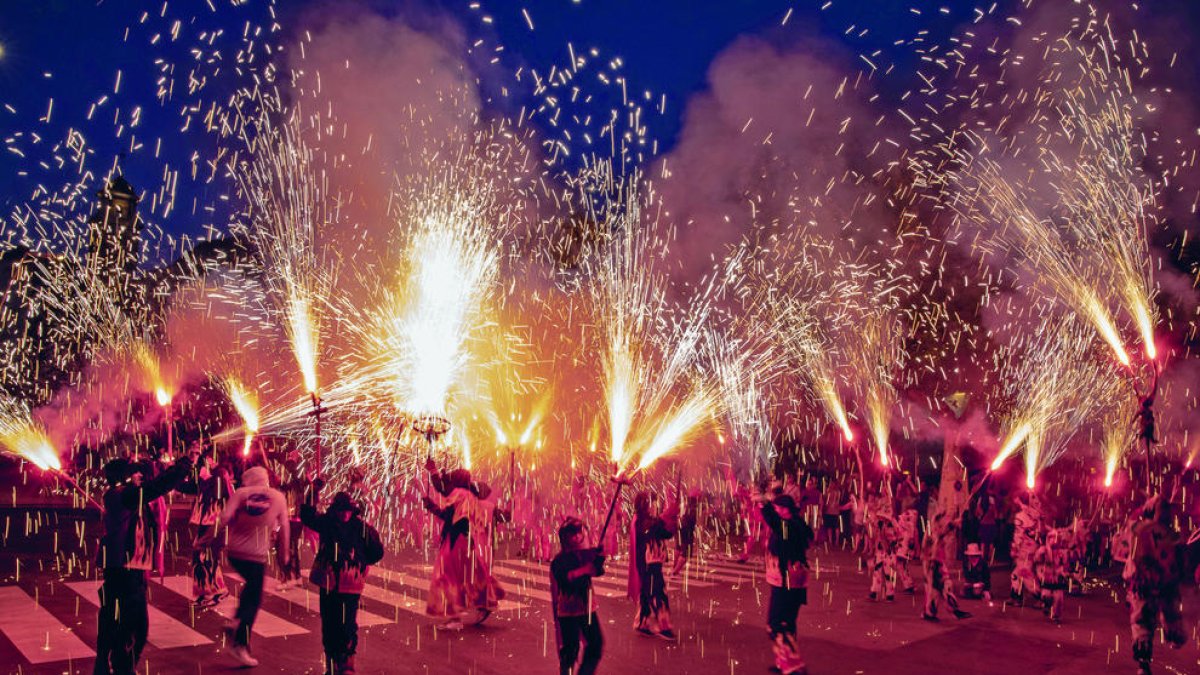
(345, 551)
(125, 508)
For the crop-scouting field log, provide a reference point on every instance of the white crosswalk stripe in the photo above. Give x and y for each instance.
(531, 579)
(35, 632)
(507, 568)
(41, 638)
(266, 625)
(165, 631)
(397, 600)
(306, 598)
(422, 583)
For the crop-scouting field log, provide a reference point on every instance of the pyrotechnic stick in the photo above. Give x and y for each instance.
(75, 485)
(612, 505)
(170, 429)
(512, 470)
(316, 413)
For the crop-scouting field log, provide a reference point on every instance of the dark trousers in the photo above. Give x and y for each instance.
(654, 591)
(782, 612)
(123, 622)
(251, 598)
(339, 625)
(573, 629)
(291, 571)
(784, 607)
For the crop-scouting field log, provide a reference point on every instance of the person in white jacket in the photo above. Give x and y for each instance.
(255, 518)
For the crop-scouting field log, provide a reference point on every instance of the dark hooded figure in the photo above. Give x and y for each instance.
(1154, 574)
(787, 574)
(651, 532)
(348, 547)
(575, 618)
(126, 554)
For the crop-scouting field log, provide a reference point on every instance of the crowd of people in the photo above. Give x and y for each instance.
(252, 511)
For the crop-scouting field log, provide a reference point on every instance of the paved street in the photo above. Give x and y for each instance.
(48, 625)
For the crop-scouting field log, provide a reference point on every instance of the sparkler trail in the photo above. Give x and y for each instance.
(286, 194)
(245, 402)
(20, 435)
(1054, 386)
(648, 357)
(454, 270)
(743, 370)
(1079, 216)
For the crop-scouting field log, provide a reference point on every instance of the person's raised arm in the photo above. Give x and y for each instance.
(770, 517)
(309, 517)
(160, 485)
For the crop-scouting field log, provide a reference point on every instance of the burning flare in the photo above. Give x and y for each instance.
(246, 404)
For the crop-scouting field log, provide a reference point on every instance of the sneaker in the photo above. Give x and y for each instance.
(928, 617)
(891, 598)
(642, 630)
(483, 614)
(872, 596)
(453, 624)
(241, 654)
(960, 614)
(668, 635)
(910, 590)
(202, 601)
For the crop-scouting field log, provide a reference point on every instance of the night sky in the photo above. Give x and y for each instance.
(70, 52)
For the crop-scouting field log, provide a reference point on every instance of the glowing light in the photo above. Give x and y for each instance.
(304, 336)
(1010, 446)
(677, 428)
(150, 367)
(246, 404)
(25, 438)
(424, 333)
(1119, 436)
(878, 417)
(1104, 324)
(1033, 451)
(833, 403)
(28, 442)
(620, 392)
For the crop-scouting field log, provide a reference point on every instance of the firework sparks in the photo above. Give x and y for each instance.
(245, 402)
(25, 439)
(678, 426)
(1054, 386)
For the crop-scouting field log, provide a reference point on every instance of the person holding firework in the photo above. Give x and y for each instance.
(126, 554)
(348, 547)
(575, 618)
(649, 537)
(787, 574)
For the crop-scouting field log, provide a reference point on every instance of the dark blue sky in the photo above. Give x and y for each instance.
(667, 46)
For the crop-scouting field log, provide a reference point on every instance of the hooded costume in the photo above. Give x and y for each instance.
(1154, 574)
(347, 548)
